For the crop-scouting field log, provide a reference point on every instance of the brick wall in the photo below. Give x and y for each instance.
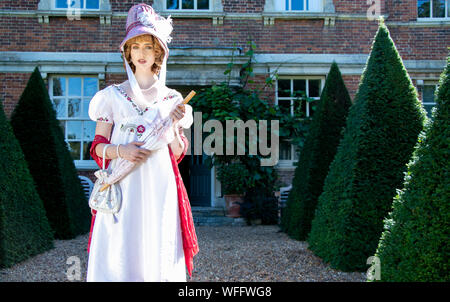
(286, 36)
(308, 36)
(11, 88)
(402, 10)
(238, 6)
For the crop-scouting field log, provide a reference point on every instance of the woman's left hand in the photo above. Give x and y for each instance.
(178, 113)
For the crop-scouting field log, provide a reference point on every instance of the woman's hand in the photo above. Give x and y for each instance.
(178, 113)
(133, 152)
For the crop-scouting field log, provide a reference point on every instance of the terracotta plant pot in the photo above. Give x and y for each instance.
(232, 205)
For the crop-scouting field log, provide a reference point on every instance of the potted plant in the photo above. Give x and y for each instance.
(233, 178)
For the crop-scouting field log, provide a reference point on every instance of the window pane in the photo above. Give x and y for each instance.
(86, 153)
(59, 86)
(284, 88)
(172, 4)
(300, 85)
(74, 148)
(74, 130)
(302, 107)
(92, 4)
(285, 150)
(202, 4)
(74, 108)
(312, 107)
(285, 106)
(438, 8)
(86, 108)
(75, 86)
(90, 86)
(428, 93)
(314, 88)
(287, 4)
(187, 4)
(62, 124)
(89, 130)
(423, 8)
(60, 108)
(448, 8)
(61, 3)
(297, 5)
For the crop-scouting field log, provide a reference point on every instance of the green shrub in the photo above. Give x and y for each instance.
(381, 131)
(233, 178)
(414, 245)
(317, 153)
(36, 127)
(24, 228)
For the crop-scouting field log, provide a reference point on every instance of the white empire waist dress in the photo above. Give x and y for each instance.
(145, 243)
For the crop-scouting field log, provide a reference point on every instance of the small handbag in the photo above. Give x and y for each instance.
(108, 200)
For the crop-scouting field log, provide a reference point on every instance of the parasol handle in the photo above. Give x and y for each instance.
(189, 97)
(104, 187)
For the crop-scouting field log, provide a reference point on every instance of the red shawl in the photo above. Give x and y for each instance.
(190, 243)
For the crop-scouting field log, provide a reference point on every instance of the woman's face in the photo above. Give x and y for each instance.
(142, 55)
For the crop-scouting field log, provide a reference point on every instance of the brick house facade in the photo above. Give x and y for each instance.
(77, 53)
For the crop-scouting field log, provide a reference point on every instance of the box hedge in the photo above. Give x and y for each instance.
(381, 131)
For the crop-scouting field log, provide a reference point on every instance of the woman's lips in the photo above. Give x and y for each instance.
(142, 61)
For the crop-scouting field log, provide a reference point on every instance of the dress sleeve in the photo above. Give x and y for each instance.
(100, 109)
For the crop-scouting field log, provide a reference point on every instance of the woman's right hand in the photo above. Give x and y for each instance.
(133, 152)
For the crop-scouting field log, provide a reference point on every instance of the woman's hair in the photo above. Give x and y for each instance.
(159, 51)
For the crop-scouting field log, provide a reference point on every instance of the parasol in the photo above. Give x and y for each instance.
(157, 134)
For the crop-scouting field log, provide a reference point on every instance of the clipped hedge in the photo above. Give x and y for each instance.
(381, 131)
(24, 228)
(414, 245)
(36, 127)
(316, 155)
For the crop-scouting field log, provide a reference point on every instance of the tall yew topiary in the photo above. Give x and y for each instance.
(36, 127)
(414, 245)
(24, 228)
(381, 131)
(316, 155)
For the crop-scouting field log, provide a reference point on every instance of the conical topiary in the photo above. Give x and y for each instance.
(24, 228)
(414, 245)
(381, 130)
(42, 140)
(316, 155)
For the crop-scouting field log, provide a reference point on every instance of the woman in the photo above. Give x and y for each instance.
(154, 236)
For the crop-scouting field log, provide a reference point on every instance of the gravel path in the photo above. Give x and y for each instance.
(250, 253)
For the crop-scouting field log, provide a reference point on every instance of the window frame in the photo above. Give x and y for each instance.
(289, 163)
(195, 9)
(79, 164)
(431, 18)
(305, 6)
(81, 9)
(421, 86)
